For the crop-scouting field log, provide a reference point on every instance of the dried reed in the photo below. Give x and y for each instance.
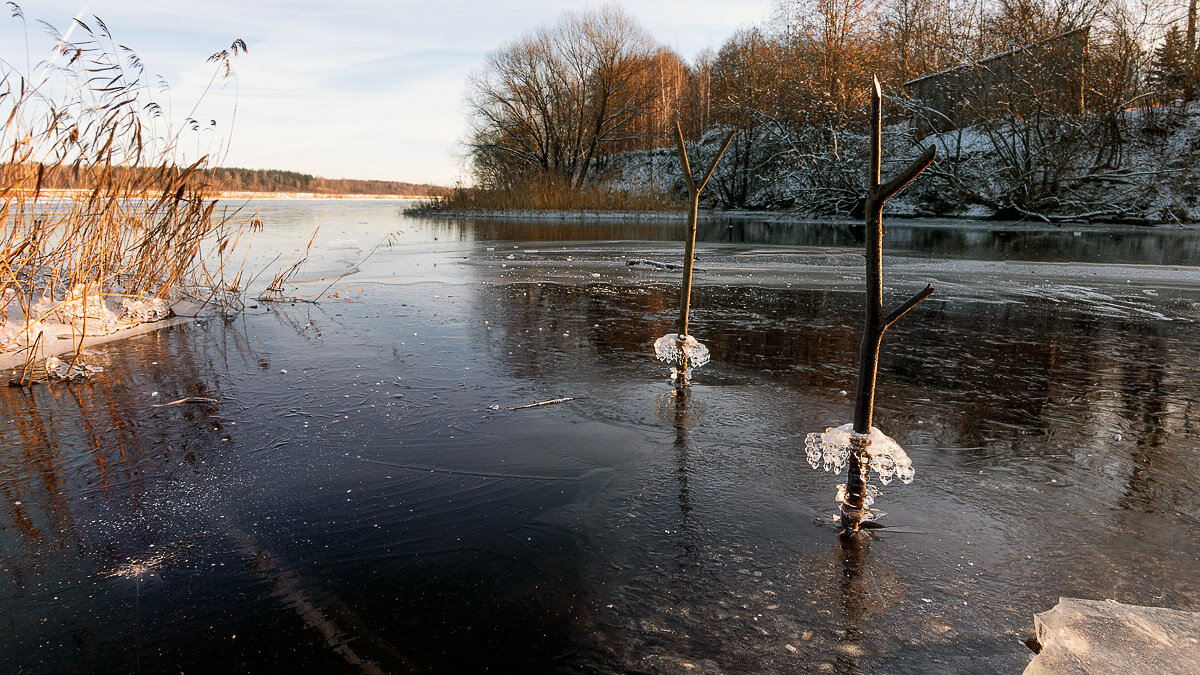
(95, 208)
(548, 193)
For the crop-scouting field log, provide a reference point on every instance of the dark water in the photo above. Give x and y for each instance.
(972, 240)
(377, 507)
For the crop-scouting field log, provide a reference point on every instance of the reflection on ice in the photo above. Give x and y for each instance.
(886, 458)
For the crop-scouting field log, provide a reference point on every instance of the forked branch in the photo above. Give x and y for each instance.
(903, 309)
(689, 255)
(686, 166)
(897, 184)
(854, 504)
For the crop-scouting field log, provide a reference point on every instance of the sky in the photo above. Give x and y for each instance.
(344, 88)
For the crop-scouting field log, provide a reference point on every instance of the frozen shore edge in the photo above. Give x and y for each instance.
(678, 215)
(60, 342)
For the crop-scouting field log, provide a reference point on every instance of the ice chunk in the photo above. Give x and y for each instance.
(1102, 636)
(16, 334)
(57, 369)
(831, 451)
(77, 307)
(672, 349)
(145, 311)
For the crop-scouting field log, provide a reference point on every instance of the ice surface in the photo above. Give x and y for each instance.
(672, 349)
(831, 450)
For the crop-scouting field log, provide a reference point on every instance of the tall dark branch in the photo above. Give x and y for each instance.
(875, 323)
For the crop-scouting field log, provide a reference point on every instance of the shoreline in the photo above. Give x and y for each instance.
(64, 338)
(679, 215)
(237, 194)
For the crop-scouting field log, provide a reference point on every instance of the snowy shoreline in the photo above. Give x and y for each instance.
(60, 328)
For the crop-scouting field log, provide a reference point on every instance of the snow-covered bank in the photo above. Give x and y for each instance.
(57, 342)
(974, 220)
(1142, 168)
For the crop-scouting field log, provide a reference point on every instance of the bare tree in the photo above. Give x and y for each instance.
(560, 98)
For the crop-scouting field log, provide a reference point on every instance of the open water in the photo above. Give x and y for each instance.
(358, 497)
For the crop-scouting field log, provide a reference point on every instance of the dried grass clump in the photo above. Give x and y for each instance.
(96, 211)
(548, 193)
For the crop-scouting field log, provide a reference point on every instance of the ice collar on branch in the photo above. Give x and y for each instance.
(672, 349)
(682, 353)
(832, 448)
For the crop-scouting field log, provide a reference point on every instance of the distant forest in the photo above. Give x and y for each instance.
(232, 179)
(272, 180)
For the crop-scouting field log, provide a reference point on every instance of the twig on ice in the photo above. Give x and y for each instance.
(187, 400)
(550, 402)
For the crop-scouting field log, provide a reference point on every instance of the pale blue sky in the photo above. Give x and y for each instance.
(356, 88)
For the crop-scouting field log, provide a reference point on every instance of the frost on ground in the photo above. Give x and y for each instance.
(831, 450)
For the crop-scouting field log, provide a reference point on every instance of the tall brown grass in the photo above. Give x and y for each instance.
(548, 193)
(147, 226)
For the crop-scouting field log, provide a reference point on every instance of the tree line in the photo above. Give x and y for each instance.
(233, 179)
(274, 180)
(569, 99)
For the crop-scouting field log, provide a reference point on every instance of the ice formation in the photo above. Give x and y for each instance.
(672, 349)
(868, 501)
(58, 369)
(144, 311)
(17, 334)
(75, 308)
(831, 450)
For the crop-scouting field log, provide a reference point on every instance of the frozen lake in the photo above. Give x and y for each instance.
(377, 507)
